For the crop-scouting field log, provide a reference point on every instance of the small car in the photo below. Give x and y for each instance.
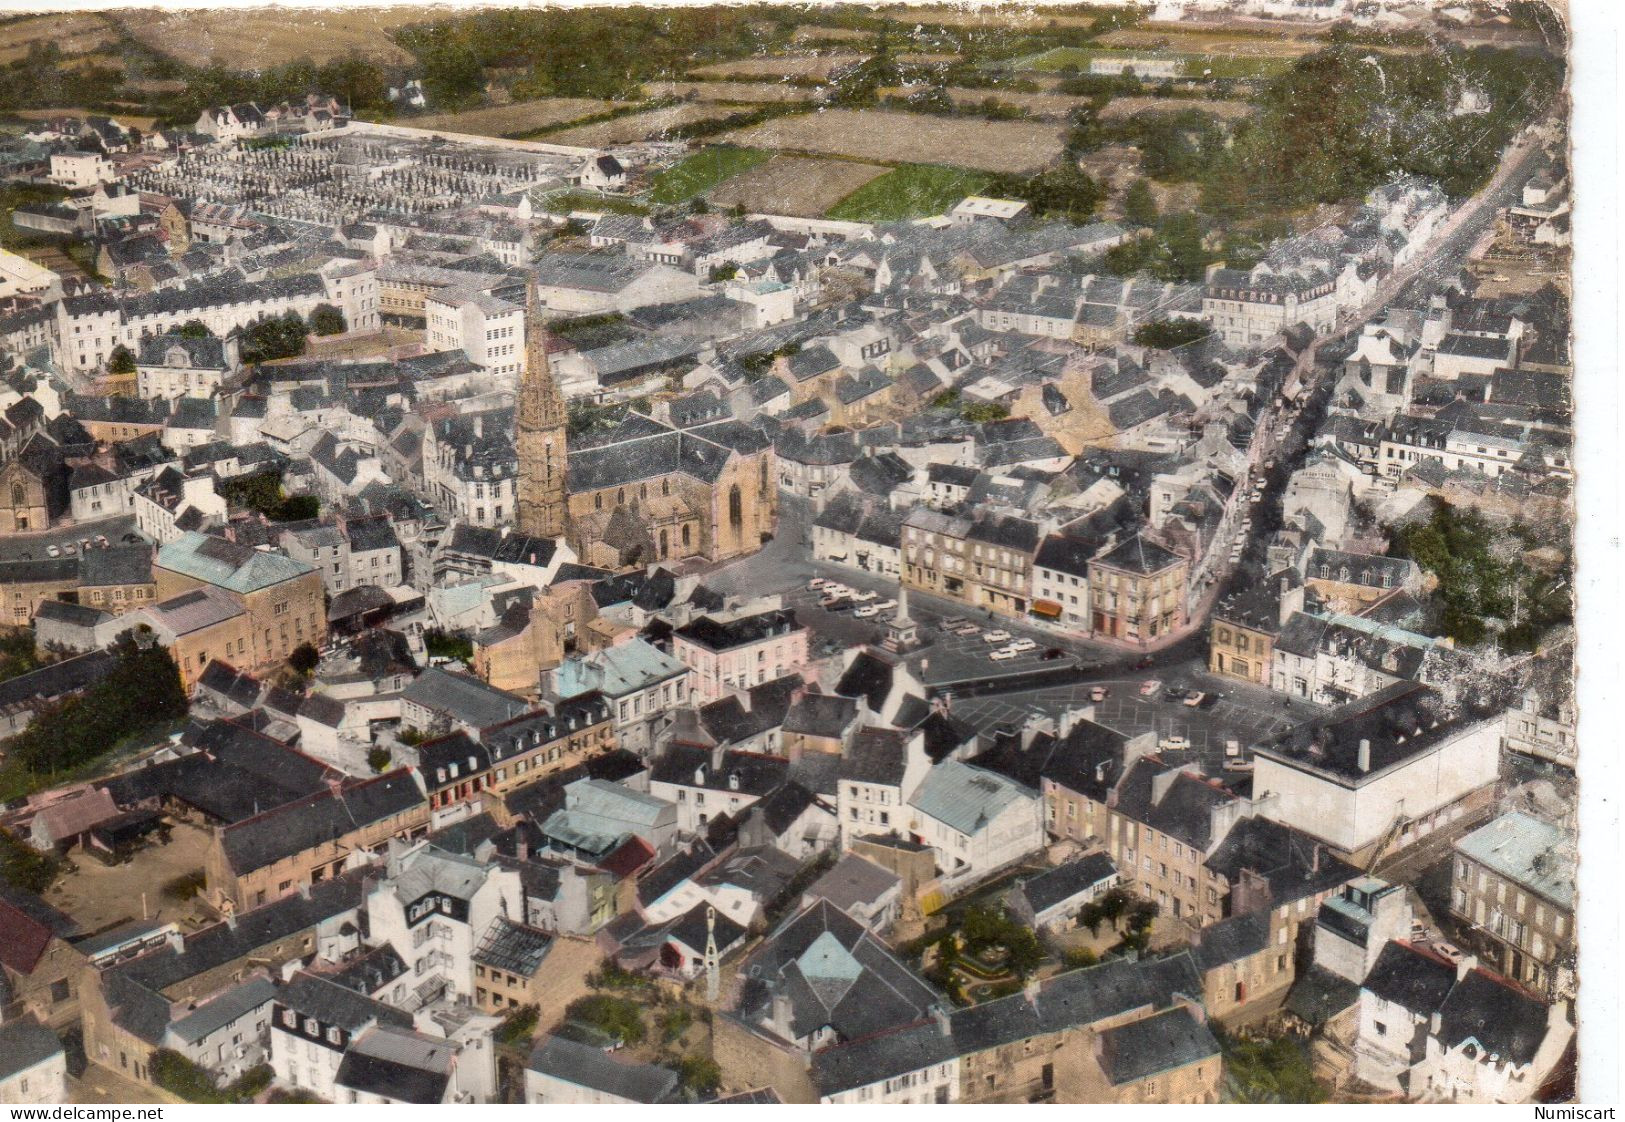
(1209, 700)
(886, 605)
(1002, 654)
(1173, 744)
(101, 540)
(1447, 951)
(829, 602)
(1099, 693)
(865, 597)
(1236, 763)
(52, 551)
(1174, 693)
(69, 548)
(1023, 645)
(953, 622)
(1052, 654)
(866, 611)
(967, 631)
(996, 637)
(1150, 687)
(816, 583)
(1195, 698)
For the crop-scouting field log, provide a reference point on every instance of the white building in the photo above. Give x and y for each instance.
(489, 330)
(1380, 779)
(433, 908)
(975, 820)
(563, 1072)
(81, 169)
(33, 1064)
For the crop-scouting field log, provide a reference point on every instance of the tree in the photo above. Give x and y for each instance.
(327, 320)
(122, 360)
(1270, 1070)
(378, 759)
(305, 658)
(700, 1074)
(268, 339)
(619, 1017)
(194, 329)
(1163, 334)
(143, 689)
(22, 866)
(1140, 204)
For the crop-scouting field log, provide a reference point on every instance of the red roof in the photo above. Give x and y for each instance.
(22, 940)
(632, 855)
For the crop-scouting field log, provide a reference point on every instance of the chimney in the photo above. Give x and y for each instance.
(1365, 755)
(940, 1016)
(1030, 992)
(1435, 1023)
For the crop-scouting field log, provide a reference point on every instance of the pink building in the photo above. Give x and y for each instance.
(738, 653)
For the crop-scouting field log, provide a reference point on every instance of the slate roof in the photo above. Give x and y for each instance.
(322, 817)
(315, 996)
(1410, 977)
(1064, 882)
(1160, 1043)
(835, 974)
(420, 1075)
(1529, 852)
(586, 1066)
(463, 697)
(24, 1044)
(220, 1011)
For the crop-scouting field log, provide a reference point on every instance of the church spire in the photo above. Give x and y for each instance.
(541, 429)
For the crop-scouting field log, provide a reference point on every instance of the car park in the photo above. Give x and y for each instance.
(1150, 687)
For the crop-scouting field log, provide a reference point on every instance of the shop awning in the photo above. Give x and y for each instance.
(1049, 609)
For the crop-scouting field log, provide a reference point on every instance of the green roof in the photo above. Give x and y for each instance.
(226, 564)
(1535, 854)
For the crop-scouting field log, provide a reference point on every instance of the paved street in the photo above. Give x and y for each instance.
(35, 547)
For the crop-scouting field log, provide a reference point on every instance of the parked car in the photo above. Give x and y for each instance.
(52, 551)
(866, 611)
(1002, 654)
(1173, 744)
(1023, 644)
(1236, 763)
(834, 603)
(1174, 693)
(1448, 951)
(1052, 654)
(953, 622)
(1195, 698)
(967, 631)
(101, 540)
(886, 605)
(1149, 687)
(1232, 747)
(1209, 700)
(69, 548)
(816, 583)
(995, 637)
(1099, 693)
(865, 597)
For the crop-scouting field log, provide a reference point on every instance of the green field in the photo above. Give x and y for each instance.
(1193, 65)
(702, 171)
(912, 191)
